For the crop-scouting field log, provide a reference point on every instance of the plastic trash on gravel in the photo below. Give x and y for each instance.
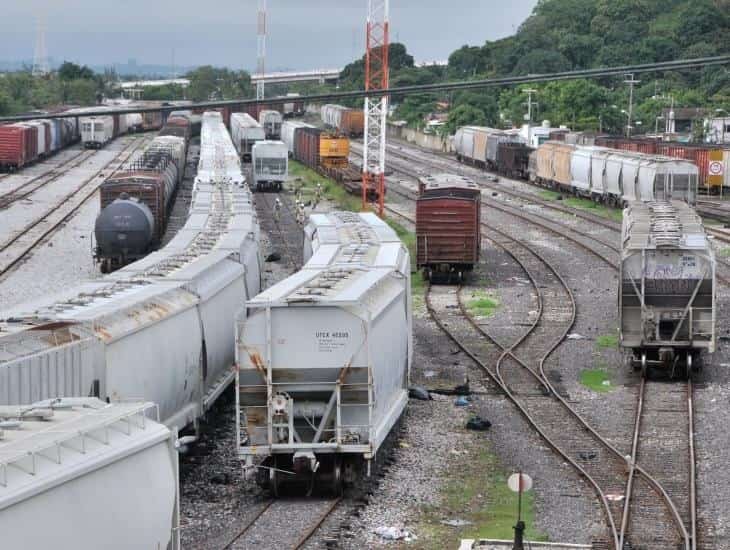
(394, 533)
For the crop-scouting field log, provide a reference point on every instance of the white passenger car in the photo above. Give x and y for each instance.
(324, 356)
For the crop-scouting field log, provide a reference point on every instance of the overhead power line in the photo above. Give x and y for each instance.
(422, 88)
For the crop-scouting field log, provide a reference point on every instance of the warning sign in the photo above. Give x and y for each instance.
(716, 168)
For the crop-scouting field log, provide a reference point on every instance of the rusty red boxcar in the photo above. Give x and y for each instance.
(448, 232)
(18, 146)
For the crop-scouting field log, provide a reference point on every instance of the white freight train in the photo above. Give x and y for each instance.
(160, 329)
(667, 287)
(324, 356)
(80, 473)
(246, 132)
(270, 162)
(614, 177)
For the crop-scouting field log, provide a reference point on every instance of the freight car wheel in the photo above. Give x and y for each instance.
(644, 368)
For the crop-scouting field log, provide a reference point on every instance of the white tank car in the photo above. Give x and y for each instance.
(667, 290)
(245, 131)
(71, 468)
(270, 165)
(160, 329)
(324, 356)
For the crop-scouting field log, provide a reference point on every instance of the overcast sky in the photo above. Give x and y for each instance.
(302, 33)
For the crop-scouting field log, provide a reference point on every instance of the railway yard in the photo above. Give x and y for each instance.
(197, 307)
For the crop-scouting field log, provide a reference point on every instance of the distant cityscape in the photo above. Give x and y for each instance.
(130, 68)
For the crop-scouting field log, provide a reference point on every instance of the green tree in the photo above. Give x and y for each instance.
(72, 71)
(210, 82)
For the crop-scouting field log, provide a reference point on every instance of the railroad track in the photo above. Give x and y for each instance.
(608, 471)
(15, 249)
(551, 224)
(281, 231)
(669, 407)
(40, 181)
(283, 523)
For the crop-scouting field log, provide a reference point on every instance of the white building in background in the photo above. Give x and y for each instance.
(534, 136)
(717, 130)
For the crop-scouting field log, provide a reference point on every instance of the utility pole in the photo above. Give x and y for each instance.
(631, 82)
(40, 55)
(529, 92)
(261, 49)
(376, 109)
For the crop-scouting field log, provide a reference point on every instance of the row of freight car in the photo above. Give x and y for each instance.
(483, 147)
(136, 199)
(326, 152)
(606, 175)
(257, 142)
(24, 143)
(119, 338)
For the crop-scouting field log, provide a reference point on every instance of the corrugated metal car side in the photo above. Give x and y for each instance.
(65, 371)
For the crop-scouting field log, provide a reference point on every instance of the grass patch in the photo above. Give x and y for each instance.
(607, 341)
(615, 214)
(723, 252)
(597, 380)
(548, 195)
(476, 491)
(308, 179)
(482, 304)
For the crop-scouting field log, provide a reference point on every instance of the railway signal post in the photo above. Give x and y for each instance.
(519, 483)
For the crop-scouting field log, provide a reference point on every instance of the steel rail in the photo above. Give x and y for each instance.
(248, 525)
(692, 465)
(679, 64)
(313, 529)
(13, 196)
(546, 382)
(525, 413)
(4, 246)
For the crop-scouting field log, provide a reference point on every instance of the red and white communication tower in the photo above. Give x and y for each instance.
(261, 49)
(376, 109)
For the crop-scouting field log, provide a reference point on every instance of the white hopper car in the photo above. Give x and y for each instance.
(288, 129)
(119, 337)
(324, 356)
(271, 121)
(667, 291)
(270, 162)
(245, 131)
(611, 176)
(83, 474)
